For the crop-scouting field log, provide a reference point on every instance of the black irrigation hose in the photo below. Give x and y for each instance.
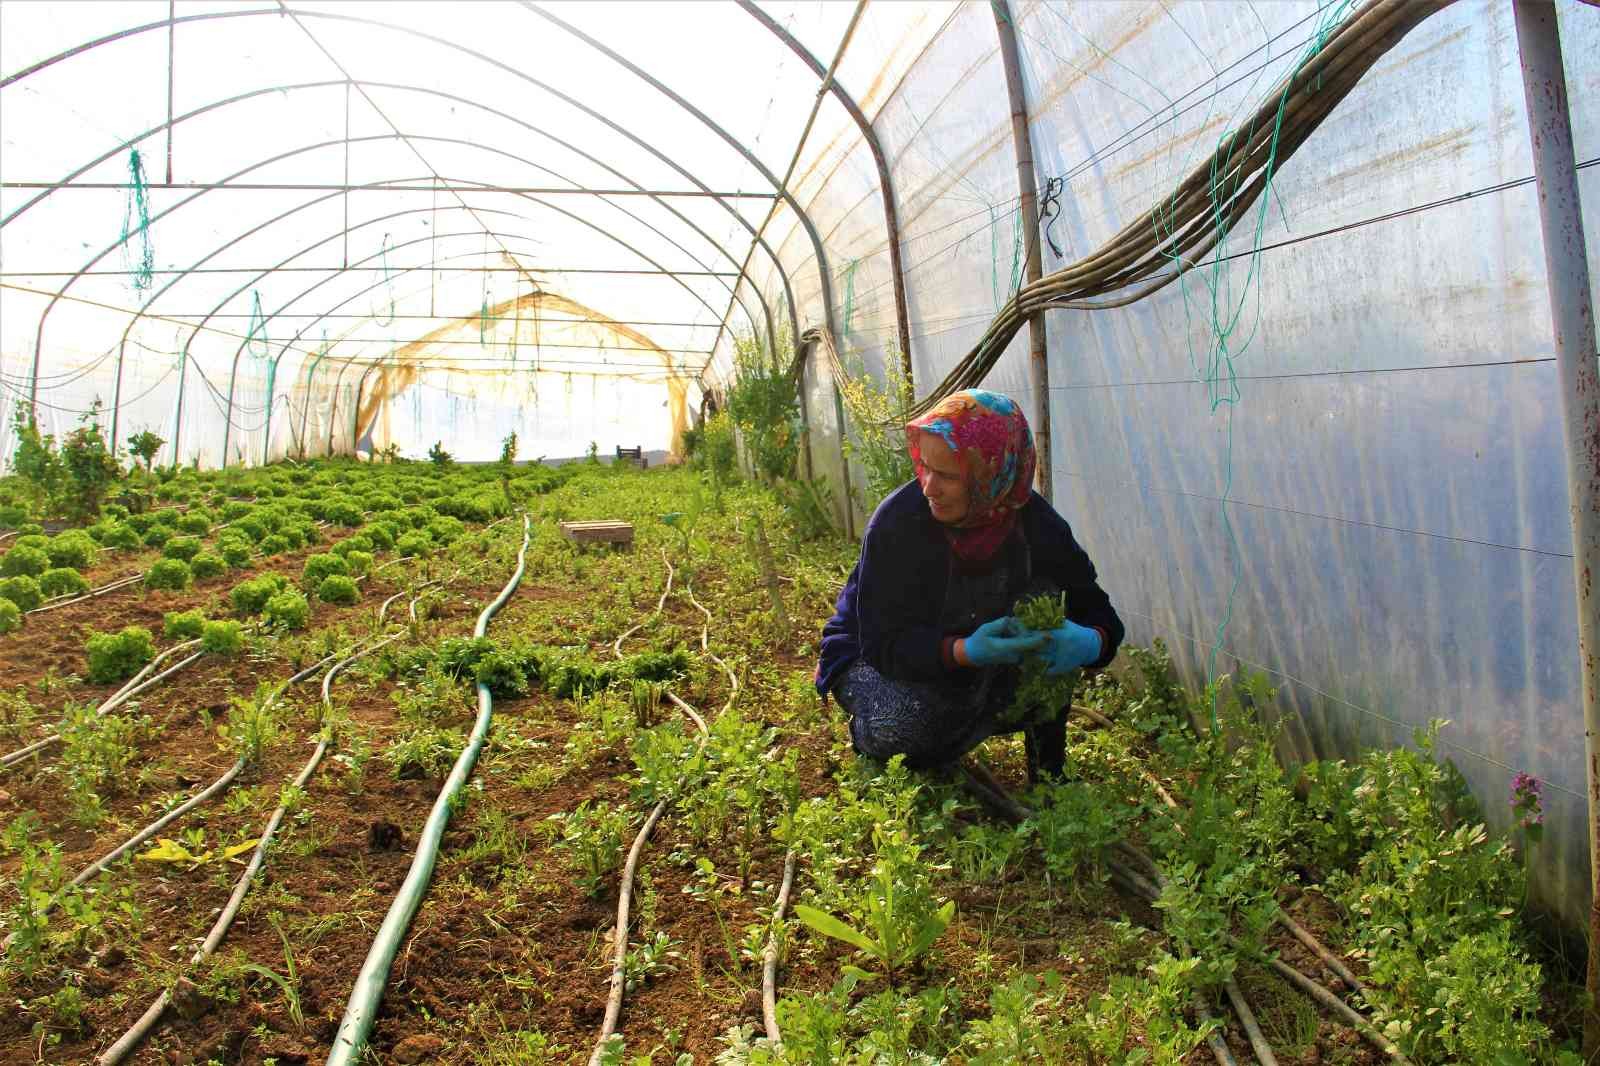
(362, 1009)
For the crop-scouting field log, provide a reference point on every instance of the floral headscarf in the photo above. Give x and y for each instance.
(990, 435)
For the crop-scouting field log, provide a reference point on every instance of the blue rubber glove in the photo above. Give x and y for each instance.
(1070, 647)
(1002, 642)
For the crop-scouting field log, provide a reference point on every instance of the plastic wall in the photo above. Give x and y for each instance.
(1339, 462)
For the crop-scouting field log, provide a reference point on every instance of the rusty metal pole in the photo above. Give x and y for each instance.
(1038, 360)
(1572, 313)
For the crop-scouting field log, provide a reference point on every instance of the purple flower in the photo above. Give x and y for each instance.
(1527, 800)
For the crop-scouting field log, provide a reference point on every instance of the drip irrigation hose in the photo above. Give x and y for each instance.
(361, 1010)
(769, 955)
(619, 952)
(130, 689)
(617, 982)
(211, 791)
(1219, 1047)
(1329, 959)
(661, 603)
(70, 599)
(988, 789)
(152, 1015)
(1247, 1018)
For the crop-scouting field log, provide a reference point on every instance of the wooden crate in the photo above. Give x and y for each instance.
(608, 531)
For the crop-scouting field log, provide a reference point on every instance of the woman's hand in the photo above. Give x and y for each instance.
(1070, 647)
(1002, 642)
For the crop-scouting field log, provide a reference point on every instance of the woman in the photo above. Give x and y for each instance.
(921, 650)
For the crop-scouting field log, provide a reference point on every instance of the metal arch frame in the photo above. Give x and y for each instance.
(824, 281)
(451, 45)
(233, 373)
(891, 215)
(767, 312)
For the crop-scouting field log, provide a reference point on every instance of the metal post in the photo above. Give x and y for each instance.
(172, 40)
(1561, 223)
(177, 418)
(1038, 360)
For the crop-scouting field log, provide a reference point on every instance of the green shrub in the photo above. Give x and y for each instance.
(276, 544)
(321, 566)
(381, 535)
(252, 527)
(183, 625)
(207, 565)
(414, 545)
(359, 542)
(118, 657)
(27, 529)
(167, 516)
(10, 617)
(360, 563)
(157, 536)
(292, 535)
(250, 596)
(309, 533)
(141, 523)
(168, 574)
(12, 516)
(234, 510)
(121, 535)
(287, 609)
(74, 548)
(21, 590)
(236, 553)
(184, 548)
(344, 513)
(224, 637)
(24, 560)
(337, 588)
(445, 529)
(62, 581)
(420, 515)
(36, 541)
(196, 523)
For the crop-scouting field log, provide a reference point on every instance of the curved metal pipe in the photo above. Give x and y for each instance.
(574, 216)
(891, 215)
(824, 281)
(732, 289)
(442, 42)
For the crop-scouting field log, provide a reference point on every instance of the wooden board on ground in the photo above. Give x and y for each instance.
(609, 531)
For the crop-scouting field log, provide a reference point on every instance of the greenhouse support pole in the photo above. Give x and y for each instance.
(1038, 360)
(177, 420)
(1561, 223)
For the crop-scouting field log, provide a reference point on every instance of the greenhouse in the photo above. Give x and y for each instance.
(749, 532)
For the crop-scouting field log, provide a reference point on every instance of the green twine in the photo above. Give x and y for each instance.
(483, 321)
(142, 266)
(1225, 313)
(994, 255)
(258, 328)
(388, 281)
(849, 296)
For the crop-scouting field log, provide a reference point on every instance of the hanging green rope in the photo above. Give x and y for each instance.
(1225, 309)
(388, 281)
(258, 348)
(483, 322)
(849, 296)
(136, 223)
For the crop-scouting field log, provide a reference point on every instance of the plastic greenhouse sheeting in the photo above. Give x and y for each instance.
(1332, 454)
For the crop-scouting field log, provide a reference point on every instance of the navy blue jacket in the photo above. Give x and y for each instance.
(890, 607)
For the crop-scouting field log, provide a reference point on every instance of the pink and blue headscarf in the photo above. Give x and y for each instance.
(989, 434)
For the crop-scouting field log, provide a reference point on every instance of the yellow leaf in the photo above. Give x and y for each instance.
(167, 850)
(240, 849)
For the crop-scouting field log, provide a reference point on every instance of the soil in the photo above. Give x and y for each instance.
(506, 940)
